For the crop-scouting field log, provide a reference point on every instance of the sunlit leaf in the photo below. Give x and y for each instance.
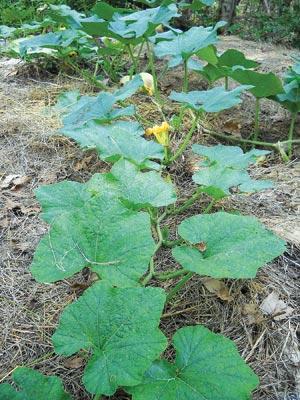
(120, 328)
(122, 139)
(213, 100)
(185, 44)
(137, 189)
(84, 239)
(236, 246)
(207, 367)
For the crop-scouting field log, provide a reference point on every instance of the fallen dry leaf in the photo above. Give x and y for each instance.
(233, 127)
(252, 313)
(218, 288)
(14, 181)
(74, 363)
(275, 307)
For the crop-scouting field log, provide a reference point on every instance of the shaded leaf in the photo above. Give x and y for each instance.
(236, 245)
(207, 367)
(33, 386)
(121, 332)
(264, 85)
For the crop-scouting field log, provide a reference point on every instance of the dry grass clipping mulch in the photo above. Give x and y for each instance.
(30, 311)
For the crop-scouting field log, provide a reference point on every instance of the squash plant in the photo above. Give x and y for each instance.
(112, 225)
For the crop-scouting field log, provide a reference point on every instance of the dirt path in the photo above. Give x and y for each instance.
(29, 311)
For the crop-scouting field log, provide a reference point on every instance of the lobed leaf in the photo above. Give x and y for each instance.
(120, 328)
(235, 246)
(207, 367)
(33, 386)
(213, 100)
(224, 168)
(185, 44)
(229, 156)
(264, 85)
(122, 139)
(125, 181)
(141, 23)
(104, 235)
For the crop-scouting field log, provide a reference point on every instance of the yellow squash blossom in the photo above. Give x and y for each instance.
(161, 133)
(147, 80)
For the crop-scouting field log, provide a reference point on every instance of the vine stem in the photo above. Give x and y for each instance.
(291, 134)
(256, 121)
(134, 63)
(153, 70)
(188, 203)
(226, 85)
(151, 272)
(231, 138)
(179, 285)
(186, 141)
(185, 86)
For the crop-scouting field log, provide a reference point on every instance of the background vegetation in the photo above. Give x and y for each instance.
(269, 20)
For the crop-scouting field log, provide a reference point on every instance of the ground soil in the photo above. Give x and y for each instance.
(30, 149)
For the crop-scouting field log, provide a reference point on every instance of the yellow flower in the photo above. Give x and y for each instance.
(161, 133)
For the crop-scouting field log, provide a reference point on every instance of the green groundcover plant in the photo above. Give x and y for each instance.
(117, 222)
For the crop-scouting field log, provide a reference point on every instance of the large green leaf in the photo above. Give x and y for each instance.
(63, 14)
(264, 85)
(118, 140)
(224, 168)
(224, 64)
(290, 99)
(229, 156)
(213, 100)
(185, 44)
(207, 367)
(232, 58)
(33, 386)
(104, 235)
(125, 181)
(142, 189)
(236, 246)
(141, 23)
(217, 181)
(51, 40)
(120, 328)
(78, 111)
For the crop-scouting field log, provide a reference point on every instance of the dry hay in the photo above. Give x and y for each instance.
(30, 311)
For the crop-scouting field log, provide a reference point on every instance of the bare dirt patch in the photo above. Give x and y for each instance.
(30, 310)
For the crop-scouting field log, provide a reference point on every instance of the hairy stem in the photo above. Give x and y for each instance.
(164, 276)
(188, 203)
(133, 70)
(186, 141)
(226, 83)
(185, 86)
(151, 272)
(179, 285)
